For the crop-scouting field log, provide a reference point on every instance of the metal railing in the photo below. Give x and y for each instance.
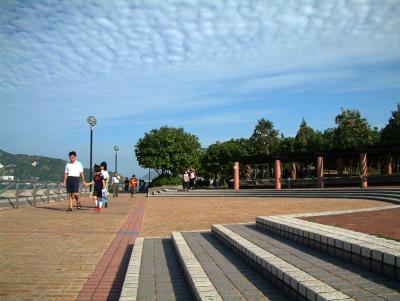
(14, 193)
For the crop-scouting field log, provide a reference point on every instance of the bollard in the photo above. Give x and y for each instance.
(363, 170)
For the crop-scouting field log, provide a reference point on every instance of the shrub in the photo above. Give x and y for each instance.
(166, 180)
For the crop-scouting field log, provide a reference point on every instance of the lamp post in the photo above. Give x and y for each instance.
(116, 149)
(92, 122)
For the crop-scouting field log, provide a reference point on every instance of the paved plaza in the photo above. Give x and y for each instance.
(47, 253)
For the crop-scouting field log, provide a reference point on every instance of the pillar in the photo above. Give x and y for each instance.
(277, 174)
(340, 167)
(236, 176)
(363, 170)
(389, 164)
(320, 172)
(293, 171)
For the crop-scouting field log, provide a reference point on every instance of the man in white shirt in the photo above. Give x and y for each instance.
(115, 182)
(73, 171)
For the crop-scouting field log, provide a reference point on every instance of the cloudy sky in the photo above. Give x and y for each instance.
(212, 67)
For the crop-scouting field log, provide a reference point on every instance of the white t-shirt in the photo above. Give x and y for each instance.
(115, 179)
(105, 175)
(74, 169)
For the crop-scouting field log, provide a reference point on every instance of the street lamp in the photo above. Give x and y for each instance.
(116, 149)
(92, 122)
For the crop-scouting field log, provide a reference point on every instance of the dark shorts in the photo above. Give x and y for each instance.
(98, 193)
(72, 184)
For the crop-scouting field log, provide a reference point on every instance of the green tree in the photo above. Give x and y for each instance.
(305, 140)
(265, 139)
(391, 132)
(287, 144)
(170, 150)
(352, 131)
(217, 159)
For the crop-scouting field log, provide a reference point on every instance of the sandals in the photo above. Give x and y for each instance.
(69, 209)
(78, 205)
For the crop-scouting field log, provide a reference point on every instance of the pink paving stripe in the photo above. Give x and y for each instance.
(106, 281)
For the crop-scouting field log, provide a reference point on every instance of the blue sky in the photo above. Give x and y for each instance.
(212, 67)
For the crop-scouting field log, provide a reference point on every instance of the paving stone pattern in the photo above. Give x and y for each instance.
(356, 282)
(107, 279)
(233, 279)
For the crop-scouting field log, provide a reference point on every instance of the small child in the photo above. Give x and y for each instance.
(99, 184)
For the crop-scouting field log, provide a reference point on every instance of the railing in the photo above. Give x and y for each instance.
(16, 192)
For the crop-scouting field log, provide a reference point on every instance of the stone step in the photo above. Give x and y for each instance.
(154, 273)
(304, 273)
(231, 277)
(374, 253)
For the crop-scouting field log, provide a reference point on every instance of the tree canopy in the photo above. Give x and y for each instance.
(169, 150)
(391, 132)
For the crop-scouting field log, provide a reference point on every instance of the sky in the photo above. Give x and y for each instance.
(211, 67)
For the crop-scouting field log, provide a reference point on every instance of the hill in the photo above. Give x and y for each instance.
(29, 167)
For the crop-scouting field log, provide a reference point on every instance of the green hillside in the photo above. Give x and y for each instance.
(29, 167)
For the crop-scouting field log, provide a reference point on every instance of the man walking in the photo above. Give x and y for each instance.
(73, 171)
(115, 183)
(133, 184)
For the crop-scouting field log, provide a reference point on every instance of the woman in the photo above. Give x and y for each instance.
(104, 172)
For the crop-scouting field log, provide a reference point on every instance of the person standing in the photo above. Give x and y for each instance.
(186, 181)
(133, 182)
(99, 186)
(73, 171)
(104, 172)
(192, 178)
(115, 183)
(126, 188)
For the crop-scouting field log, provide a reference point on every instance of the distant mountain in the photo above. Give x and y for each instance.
(30, 167)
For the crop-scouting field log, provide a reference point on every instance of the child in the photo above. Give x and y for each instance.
(98, 186)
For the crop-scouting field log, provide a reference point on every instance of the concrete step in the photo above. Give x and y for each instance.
(371, 252)
(154, 273)
(301, 272)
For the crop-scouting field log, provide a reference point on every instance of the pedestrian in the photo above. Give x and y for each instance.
(133, 182)
(185, 181)
(126, 184)
(115, 183)
(104, 172)
(192, 178)
(73, 171)
(99, 187)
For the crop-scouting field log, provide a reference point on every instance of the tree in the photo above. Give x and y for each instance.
(265, 139)
(305, 140)
(352, 131)
(170, 150)
(218, 158)
(391, 132)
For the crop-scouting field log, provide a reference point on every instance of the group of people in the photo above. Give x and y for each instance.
(100, 182)
(189, 179)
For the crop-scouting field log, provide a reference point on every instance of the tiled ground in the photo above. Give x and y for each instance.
(167, 214)
(47, 253)
(368, 222)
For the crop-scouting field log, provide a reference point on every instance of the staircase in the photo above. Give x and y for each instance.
(380, 194)
(276, 258)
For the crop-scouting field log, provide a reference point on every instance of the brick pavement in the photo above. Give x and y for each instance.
(48, 254)
(368, 222)
(106, 281)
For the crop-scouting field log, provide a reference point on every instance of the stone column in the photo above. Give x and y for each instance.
(340, 167)
(389, 164)
(277, 174)
(320, 172)
(363, 170)
(293, 171)
(236, 176)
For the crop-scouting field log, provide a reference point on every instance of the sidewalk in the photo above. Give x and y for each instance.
(47, 253)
